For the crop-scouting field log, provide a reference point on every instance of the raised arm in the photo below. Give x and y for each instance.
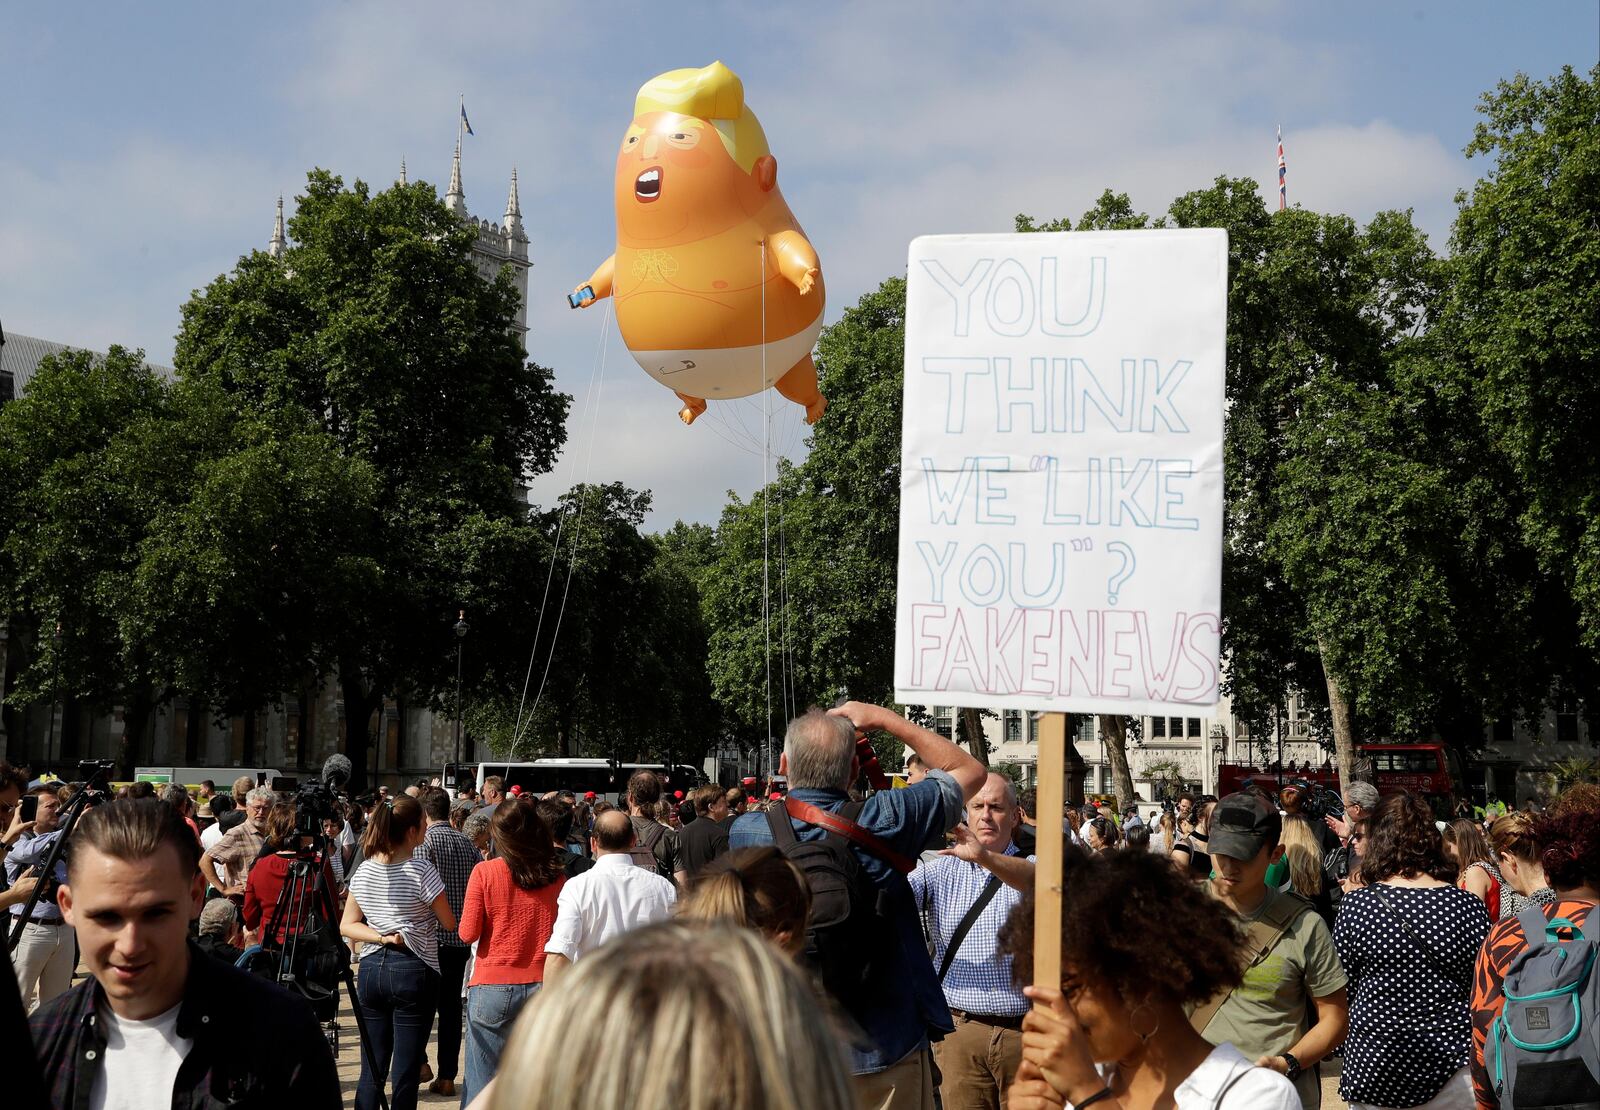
(935, 751)
(796, 259)
(599, 281)
(1015, 871)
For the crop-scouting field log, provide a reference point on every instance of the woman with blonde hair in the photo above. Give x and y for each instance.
(755, 888)
(1302, 853)
(677, 1016)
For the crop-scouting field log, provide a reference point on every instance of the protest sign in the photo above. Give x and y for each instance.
(1061, 472)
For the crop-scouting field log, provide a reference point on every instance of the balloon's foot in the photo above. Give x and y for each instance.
(815, 410)
(688, 413)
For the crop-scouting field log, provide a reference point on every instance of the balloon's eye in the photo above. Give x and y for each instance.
(632, 139)
(679, 135)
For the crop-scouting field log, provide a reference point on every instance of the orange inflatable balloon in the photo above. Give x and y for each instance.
(705, 242)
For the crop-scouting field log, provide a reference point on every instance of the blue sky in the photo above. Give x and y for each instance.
(146, 144)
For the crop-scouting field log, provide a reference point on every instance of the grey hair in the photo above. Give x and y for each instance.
(739, 1018)
(261, 794)
(819, 749)
(477, 821)
(175, 796)
(1363, 794)
(1011, 787)
(218, 918)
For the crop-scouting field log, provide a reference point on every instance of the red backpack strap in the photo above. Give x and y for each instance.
(860, 837)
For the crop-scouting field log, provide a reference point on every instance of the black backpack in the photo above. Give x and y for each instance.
(849, 927)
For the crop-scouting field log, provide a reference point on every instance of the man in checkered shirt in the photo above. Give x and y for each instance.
(454, 857)
(979, 1060)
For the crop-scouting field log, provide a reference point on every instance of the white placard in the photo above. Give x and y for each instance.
(1061, 476)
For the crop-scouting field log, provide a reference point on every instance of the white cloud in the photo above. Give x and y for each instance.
(889, 120)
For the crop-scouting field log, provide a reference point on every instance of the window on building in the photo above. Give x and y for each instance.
(1013, 725)
(1158, 726)
(1083, 732)
(944, 720)
(1033, 727)
(1505, 731)
(1175, 726)
(1567, 727)
(1088, 782)
(1194, 726)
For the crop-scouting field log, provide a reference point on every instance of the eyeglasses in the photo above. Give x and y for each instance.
(1358, 836)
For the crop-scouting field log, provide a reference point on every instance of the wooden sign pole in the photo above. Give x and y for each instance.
(1052, 769)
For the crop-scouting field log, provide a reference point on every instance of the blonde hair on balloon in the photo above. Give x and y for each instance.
(713, 93)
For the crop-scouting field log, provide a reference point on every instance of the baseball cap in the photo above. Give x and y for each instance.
(1242, 824)
(516, 790)
(588, 795)
(774, 797)
(750, 801)
(678, 794)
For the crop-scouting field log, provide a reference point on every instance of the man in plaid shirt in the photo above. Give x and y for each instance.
(454, 857)
(977, 1062)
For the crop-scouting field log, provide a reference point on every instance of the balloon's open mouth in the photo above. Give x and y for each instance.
(647, 186)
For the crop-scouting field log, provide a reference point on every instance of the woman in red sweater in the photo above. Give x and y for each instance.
(509, 913)
(266, 879)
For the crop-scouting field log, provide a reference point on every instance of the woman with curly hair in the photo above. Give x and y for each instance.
(1568, 836)
(1116, 1033)
(1407, 940)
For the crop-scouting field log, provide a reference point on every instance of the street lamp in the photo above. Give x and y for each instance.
(461, 635)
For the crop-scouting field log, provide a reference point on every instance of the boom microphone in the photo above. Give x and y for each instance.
(336, 770)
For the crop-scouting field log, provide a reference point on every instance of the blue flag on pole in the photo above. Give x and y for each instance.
(466, 126)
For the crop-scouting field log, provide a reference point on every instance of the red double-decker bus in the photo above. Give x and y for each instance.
(1427, 769)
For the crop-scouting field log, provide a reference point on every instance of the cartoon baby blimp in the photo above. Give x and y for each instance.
(718, 292)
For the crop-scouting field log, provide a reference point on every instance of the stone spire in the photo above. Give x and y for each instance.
(403, 170)
(279, 243)
(455, 199)
(516, 239)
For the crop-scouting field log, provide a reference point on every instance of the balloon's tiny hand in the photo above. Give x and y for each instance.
(807, 280)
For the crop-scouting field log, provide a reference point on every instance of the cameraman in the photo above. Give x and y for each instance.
(44, 957)
(265, 883)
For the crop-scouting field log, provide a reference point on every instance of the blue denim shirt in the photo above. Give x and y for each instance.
(906, 1008)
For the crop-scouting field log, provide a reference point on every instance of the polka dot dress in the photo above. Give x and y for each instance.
(1410, 1014)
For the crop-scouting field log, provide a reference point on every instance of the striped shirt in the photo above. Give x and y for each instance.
(979, 980)
(398, 898)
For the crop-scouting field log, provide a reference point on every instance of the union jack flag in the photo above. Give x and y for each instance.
(1283, 169)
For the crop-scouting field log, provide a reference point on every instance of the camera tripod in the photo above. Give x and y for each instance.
(302, 900)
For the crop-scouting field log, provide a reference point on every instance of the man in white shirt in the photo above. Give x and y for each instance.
(608, 900)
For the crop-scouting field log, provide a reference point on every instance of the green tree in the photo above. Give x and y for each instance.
(620, 663)
(79, 482)
(1521, 312)
(376, 326)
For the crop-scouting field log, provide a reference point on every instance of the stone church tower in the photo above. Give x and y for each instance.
(497, 245)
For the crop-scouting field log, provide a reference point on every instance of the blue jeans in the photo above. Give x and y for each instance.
(492, 1009)
(397, 994)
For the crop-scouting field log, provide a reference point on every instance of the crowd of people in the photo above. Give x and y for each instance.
(820, 948)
